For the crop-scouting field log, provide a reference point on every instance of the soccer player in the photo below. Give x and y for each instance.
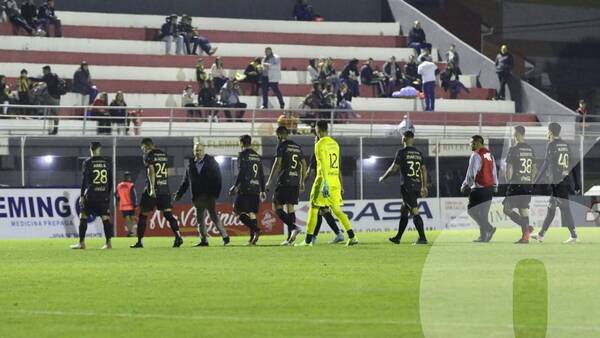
(156, 194)
(126, 197)
(409, 161)
(289, 168)
(249, 187)
(482, 182)
(325, 212)
(520, 173)
(556, 163)
(327, 188)
(96, 186)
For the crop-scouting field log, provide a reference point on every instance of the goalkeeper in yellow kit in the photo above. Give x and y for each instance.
(327, 188)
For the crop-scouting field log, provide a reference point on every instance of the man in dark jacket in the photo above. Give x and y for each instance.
(504, 65)
(15, 17)
(53, 83)
(204, 175)
(370, 77)
(393, 75)
(417, 39)
(82, 84)
(47, 17)
(29, 12)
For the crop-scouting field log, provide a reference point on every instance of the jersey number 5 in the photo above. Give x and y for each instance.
(294, 161)
(100, 176)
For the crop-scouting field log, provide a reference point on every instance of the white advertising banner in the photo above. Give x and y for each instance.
(42, 213)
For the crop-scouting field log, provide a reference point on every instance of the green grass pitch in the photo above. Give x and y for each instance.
(375, 289)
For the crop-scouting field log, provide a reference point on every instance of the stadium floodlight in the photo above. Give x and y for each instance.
(371, 160)
(220, 159)
(48, 159)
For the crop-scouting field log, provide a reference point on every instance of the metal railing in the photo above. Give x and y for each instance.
(180, 121)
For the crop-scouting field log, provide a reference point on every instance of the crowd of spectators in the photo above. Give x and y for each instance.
(184, 36)
(34, 20)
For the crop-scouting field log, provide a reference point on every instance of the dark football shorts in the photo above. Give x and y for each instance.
(96, 208)
(244, 204)
(480, 196)
(410, 195)
(160, 202)
(127, 213)
(286, 195)
(517, 196)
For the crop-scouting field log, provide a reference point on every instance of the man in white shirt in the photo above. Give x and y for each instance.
(427, 70)
(270, 77)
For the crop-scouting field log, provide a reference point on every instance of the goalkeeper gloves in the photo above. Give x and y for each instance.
(325, 189)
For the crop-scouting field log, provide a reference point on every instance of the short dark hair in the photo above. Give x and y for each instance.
(554, 128)
(477, 138)
(246, 140)
(520, 130)
(409, 134)
(281, 130)
(23, 71)
(46, 67)
(95, 146)
(147, 141)
(322, 125)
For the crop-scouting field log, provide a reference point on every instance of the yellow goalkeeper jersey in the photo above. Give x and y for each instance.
(327, 152)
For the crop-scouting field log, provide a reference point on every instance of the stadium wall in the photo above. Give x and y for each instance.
(528, 99)
(362, 10)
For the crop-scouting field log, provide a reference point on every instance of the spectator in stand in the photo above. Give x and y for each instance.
(313, 70)
(190, 35)
(405, 125)
(314, 100)
(217, 73)
(271, 75)
(329, 101)
(83, 85)
(207, 97)
(453, 58)
(582, 111)
(5, 94)
(230, 98)
(55, 87)
(135, 117)
(504, 65)
(252, 73)
(424, 56)
(350, 76)
(411, 75)
(102, 114)
(328, 75)
(417, 39)
(370, 77)
(448, 84)
(29, 13)
(303, 11)
(188, 100)
(201, 74)
(169, 34)
(289, 120)
(119, 115)
(47, 17)
(15, 17)
(427, 70)
(393, 75)
(23, 88)
(344, 102)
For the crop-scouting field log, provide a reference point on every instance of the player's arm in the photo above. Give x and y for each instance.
(238, 181)
(310, 169)
(303, 173)
(275, 169)
(576, 171)
(509, 167)
(472, 170)
(84, 180)
(183, 186)
(110, 180)
(424, 182)
(393, 169)
(133, 195)
(261, 179)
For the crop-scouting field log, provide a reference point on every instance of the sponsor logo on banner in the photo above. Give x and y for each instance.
(42, 213)
(186, 216)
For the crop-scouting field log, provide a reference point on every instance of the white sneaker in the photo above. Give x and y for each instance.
(537, 237)
(78, 246)
(294, 234)
(285, 243)
(571, 240)
(339, 238)
(107, 246)
(303, 243)
(352, 241)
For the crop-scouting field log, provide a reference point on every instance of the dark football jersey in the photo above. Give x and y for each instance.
(251, 179)
(410, 161)
(559, 161)
(291, 157)
(97, 179)
(158, 160)
(521, 158)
